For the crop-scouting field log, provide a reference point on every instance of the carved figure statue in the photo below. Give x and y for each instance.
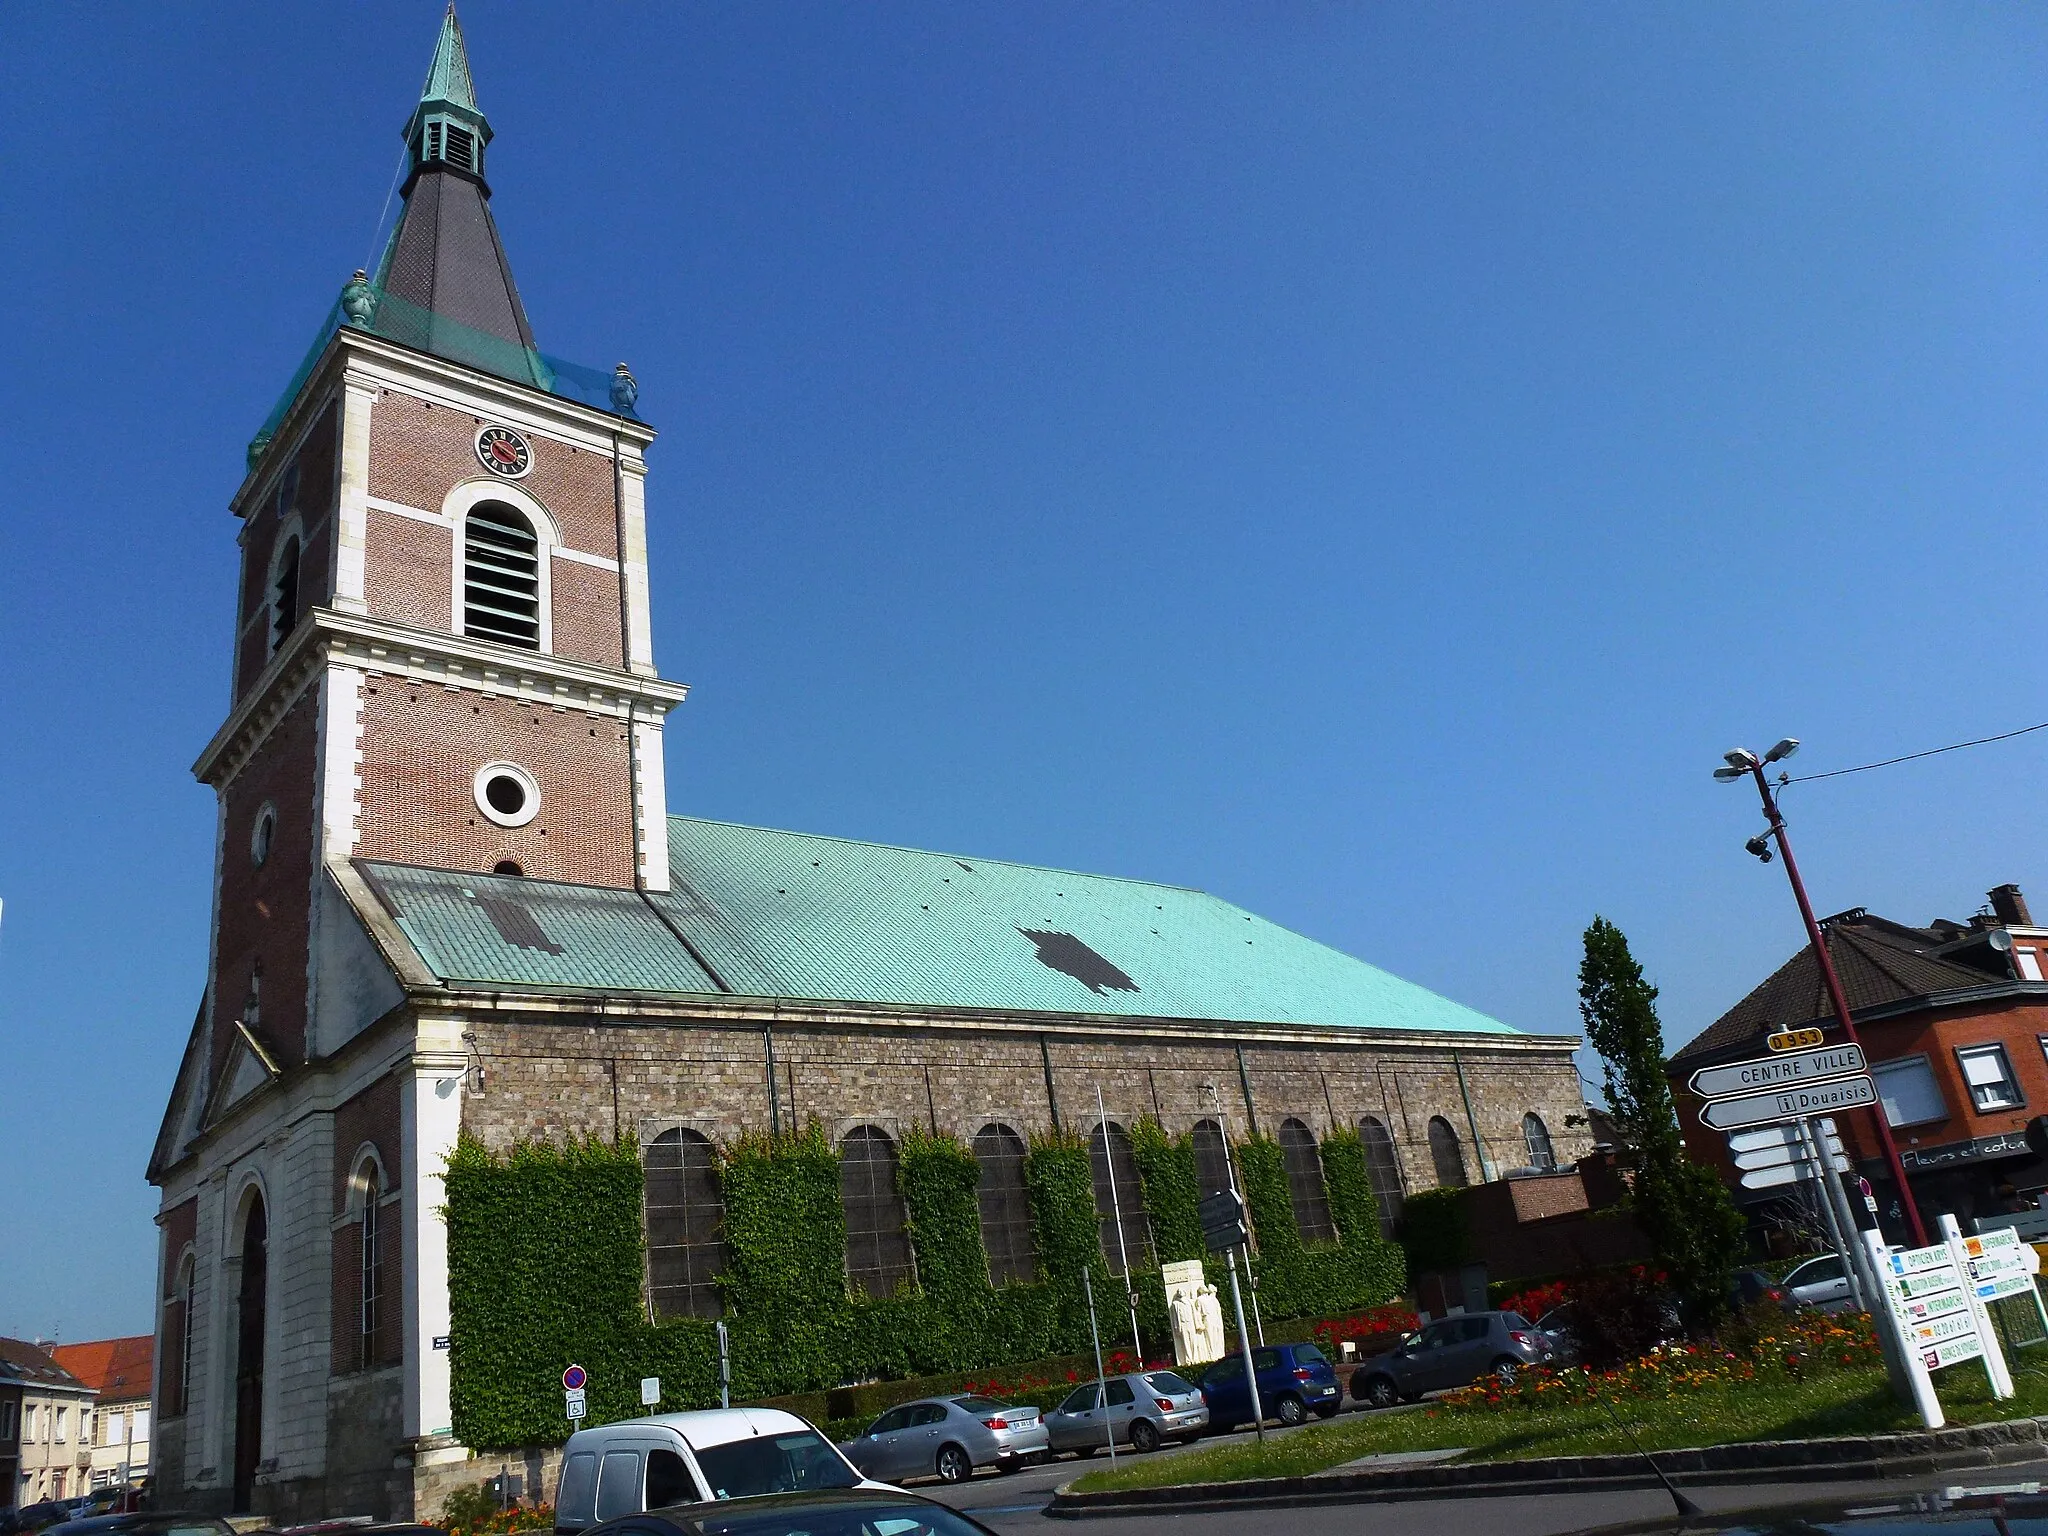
(1209, 1322)
(359, 300)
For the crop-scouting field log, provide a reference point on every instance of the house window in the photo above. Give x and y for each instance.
(1908, 1091)
(877, 1243)
(1989, 1075)
(1536, 1137)
(1305, 1183)
(501, 577)
(1212, 1158)
(1382, 1171)
(63, 1414)
(1005, 1206)
(685, 1226)
(1117, 1190)
(1445, 1152)
(8, 1413)
(2029, 963)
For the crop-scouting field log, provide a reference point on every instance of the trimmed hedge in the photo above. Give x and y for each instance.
(546, 1254)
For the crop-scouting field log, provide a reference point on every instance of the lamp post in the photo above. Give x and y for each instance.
(1742, 764)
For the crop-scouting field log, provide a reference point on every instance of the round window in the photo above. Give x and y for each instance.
(261, 834)
(507, 794)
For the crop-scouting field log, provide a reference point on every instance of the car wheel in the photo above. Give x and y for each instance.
(1329, 1412)
(1505, 1370)
(1290, 1411)
(1378, 1392)
(1144, 1437)
(954, 1465)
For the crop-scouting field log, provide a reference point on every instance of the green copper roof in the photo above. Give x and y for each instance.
(793, 915)
(448, 76)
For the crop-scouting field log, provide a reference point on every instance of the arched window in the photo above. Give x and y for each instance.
(500, 577)
(877, 1244)
(685, 1226)
(1212, 1158)
(284, 592)
(1536, 1136)
(1304, 1167)
(369, 1263)
(1382, 1171)
(1445, 1152)
(1005, 1206)
(1117, 1189)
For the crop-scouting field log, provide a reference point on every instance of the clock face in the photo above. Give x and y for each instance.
(503, 452)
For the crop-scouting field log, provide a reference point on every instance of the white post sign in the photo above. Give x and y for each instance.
(1936, 1297)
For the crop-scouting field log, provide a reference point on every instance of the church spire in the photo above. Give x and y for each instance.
(445, 262)
(446, 125)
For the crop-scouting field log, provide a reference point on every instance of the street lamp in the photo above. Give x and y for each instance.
(1745, 764)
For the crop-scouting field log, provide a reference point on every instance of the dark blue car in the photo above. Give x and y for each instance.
(1295, 1380)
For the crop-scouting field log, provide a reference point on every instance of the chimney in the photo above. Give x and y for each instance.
(2011, 906)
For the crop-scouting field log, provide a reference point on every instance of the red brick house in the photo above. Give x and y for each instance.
(1954, 1020)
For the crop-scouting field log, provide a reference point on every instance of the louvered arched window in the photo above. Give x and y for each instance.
(877, 1243)
(501, 576)
(1382, 1171)
(1005, 1206)
(1536, 1137)
(685, 1226)
(1117, 1190)
(1305, 1191)
(1445, 1152)
(284, 592)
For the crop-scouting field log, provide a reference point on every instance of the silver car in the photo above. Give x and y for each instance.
(947, 1438)
(1144, 1411)
(1821, 1283)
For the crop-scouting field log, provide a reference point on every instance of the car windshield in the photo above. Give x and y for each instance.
(788, 1463)
(1167, 1382)
(979, 1404)
(853, 1518)
(1308, 1354)
(1513, 1320)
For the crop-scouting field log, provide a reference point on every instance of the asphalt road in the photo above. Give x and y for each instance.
(1014, 1504)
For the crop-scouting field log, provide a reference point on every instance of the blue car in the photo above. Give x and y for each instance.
(1295, 1380)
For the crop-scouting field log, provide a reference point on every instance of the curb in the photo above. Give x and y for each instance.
(1848, 1458)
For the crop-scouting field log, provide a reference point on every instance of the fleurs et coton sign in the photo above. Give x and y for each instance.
(1786, 1071)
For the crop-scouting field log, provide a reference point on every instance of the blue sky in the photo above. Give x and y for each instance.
(1366, 461)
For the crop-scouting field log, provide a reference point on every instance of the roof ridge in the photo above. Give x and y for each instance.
(940, 853)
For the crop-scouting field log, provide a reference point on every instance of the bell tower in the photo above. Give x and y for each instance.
(442, 652)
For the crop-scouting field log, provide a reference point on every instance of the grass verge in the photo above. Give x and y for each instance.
(1837, 1403)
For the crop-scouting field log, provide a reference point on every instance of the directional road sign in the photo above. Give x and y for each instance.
(1783, 1173)
(1789, 1103)
(1782, 1135)
(1781, 1153)
(1952, 1351)
(1788, 1070)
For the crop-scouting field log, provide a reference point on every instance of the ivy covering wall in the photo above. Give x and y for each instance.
(546, 1258)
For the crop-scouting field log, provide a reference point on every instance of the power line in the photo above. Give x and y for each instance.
(1808, 778)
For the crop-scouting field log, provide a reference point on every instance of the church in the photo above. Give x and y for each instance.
(459, 940)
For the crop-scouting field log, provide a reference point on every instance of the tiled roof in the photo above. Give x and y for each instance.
(31, 1365)
(1879, 962)
(792, 915)
(118, 1369)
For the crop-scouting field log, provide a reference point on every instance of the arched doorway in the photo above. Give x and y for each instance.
(249, 1352)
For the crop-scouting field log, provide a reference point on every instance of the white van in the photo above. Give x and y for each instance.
(688, 1458)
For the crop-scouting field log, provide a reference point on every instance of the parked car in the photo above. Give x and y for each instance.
(1754, 1288)
(847, 1512)
(1295, 1380)
(1144, 1410)
(1452, 1352)
(947, 1438)
(34, 1517)
(678, 1458)
(150, 1523)
(1821, 1283)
